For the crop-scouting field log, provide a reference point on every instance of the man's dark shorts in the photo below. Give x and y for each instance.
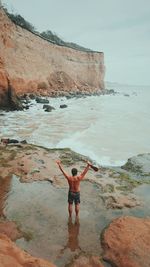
(73, 197)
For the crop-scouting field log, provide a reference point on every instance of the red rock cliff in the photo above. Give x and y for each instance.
(36, 65)
(13, 256)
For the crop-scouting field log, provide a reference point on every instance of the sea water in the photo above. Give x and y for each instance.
(109, 128)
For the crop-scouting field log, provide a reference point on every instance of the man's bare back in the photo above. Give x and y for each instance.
(74, 183)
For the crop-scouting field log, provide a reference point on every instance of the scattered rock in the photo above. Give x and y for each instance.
(63, 106)
(48, 108)
(13, 141)
(9, 141)
(23, 142)
(32, 96)
(25, 98)
(26, 107)
(126, 242)
(106, 92)
(41, 100)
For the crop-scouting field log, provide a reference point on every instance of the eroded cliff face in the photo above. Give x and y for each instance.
(34, 65)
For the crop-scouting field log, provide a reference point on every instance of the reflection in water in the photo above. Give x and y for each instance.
(73, 233)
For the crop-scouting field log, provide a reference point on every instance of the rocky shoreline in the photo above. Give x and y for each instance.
(22, 102)
(112, 193)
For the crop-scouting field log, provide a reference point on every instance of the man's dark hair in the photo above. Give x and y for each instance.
(74, 171)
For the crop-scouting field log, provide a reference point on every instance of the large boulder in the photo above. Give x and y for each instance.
(13, 101)
(11, 255)
(139, 164)
(8, 97)
(126, 242)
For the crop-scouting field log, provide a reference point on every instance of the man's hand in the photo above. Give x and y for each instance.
(58, 162)
(92, 166)
(89, 163)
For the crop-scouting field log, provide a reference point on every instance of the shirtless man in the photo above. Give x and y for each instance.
(74, 186)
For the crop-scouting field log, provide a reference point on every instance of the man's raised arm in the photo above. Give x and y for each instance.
(85, 170)
(60, 167)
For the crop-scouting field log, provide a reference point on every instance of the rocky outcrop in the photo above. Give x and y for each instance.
(8, 97)
(139, 164)
(31, 163)
(10, 229)
(3, 87)
(31, 166)
(35, 65)
(126, 242)
(11, 255)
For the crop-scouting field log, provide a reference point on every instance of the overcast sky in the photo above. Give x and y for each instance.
(119, 28)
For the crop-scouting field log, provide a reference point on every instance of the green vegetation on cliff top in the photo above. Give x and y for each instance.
(46, 35)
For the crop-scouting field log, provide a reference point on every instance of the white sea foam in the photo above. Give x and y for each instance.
(109, 129)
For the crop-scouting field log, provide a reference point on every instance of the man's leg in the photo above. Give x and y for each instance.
(77, 207)
(77, 204)
(70, 209)
(70, 203)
